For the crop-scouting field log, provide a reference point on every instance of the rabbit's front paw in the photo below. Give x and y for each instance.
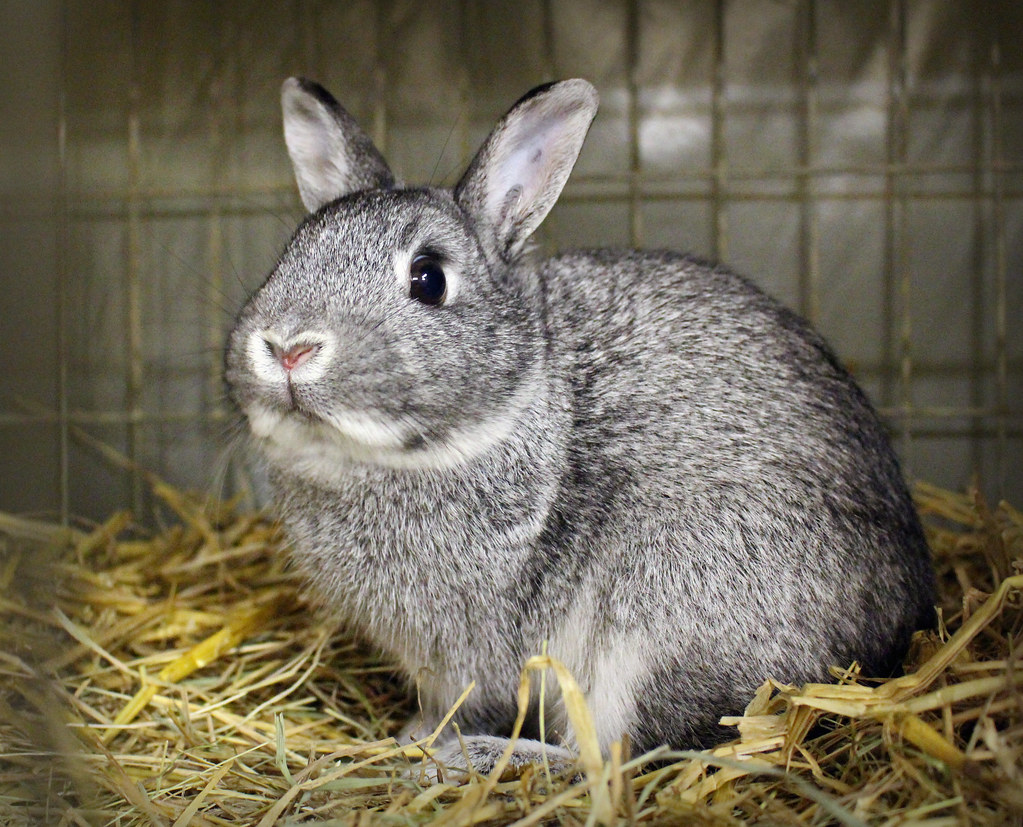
(456, 760)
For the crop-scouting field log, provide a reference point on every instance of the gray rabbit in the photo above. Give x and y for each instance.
(637, 458)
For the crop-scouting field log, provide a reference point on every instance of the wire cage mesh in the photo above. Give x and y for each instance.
(860, 159)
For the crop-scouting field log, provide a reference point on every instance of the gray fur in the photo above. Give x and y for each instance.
(636, 457)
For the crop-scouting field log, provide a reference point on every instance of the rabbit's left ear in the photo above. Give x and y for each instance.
(331, 155)
(520, 170)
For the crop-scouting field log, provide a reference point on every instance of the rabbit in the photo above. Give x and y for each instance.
(637, 459)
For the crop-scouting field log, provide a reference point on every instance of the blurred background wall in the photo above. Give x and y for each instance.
(860, 159)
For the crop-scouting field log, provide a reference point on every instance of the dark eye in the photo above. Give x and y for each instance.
(427, 283)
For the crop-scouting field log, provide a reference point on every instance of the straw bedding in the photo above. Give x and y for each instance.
(181, 678)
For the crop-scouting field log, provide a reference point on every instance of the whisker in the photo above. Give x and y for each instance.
(444, 148)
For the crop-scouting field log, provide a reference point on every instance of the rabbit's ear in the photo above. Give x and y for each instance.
(519, 172)
(332, 156)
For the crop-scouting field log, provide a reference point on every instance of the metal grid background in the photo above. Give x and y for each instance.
(861, 159)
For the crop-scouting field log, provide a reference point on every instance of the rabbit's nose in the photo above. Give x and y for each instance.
(274, 357)
(290, 358)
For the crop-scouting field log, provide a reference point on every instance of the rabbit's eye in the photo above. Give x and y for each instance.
(427, 283)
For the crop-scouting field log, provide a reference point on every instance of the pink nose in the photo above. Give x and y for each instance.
(295, 356)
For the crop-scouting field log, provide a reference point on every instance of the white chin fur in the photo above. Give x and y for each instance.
(321, 449)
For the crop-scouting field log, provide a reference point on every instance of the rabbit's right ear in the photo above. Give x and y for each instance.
(520, 170)
(331, 154)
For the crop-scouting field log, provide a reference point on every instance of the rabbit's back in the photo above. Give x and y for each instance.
(749, 513)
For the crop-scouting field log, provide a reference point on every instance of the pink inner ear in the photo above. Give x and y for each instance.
(526, 168)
